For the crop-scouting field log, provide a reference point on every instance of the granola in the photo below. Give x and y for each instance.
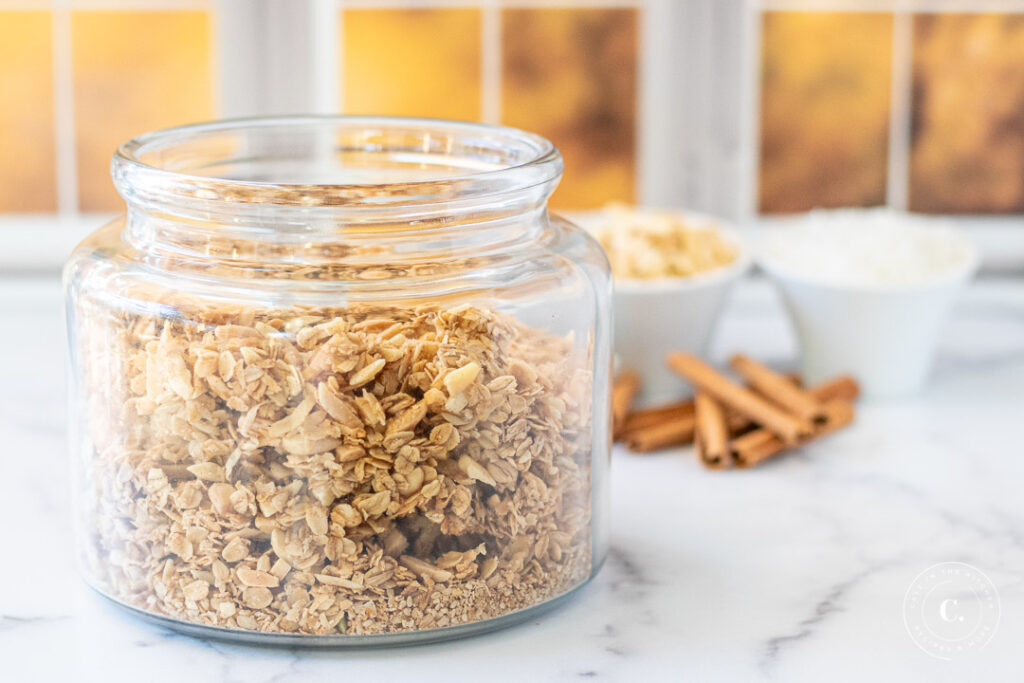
(361, 469)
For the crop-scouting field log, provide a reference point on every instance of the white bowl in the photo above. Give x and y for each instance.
(884, 335)
(654, 317)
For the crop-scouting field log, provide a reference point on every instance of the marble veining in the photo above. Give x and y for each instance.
(828, 605)
(794, 571)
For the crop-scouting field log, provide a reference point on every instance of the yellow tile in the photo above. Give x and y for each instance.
(571, 75)
(134, 71)
(412, 62)
(824, 109)
(28, 175)
(968, 114)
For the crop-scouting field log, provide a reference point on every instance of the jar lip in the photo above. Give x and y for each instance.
(165, 166)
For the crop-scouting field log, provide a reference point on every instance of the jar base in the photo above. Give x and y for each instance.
(378, 640)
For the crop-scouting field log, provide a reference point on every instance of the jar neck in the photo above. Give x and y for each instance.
(261, 235)
(352, 190)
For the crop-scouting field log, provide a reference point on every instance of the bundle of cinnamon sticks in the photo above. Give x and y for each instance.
(732, 425)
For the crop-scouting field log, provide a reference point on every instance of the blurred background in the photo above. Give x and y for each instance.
(744, 108)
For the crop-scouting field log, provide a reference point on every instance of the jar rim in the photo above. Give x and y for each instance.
(180, 165)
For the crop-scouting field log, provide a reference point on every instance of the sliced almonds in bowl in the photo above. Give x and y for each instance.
(653, 244)
(732, 425)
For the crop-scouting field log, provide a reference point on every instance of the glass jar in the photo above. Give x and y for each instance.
(339, 381)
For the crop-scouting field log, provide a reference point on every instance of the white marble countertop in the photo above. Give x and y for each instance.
(794, 571)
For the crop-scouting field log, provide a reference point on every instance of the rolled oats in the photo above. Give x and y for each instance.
(367, 469)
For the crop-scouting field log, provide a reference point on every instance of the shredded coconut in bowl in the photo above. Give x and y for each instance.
(857, 247)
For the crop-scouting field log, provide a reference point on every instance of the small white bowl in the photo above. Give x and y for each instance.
(884, 335)
(657, 316)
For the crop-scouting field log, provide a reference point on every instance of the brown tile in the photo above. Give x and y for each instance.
(571, 75)
(825, 102)
(133, 71)
(27, 148)
(412, 62)
(968, 114)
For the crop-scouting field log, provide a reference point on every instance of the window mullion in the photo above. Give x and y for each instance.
(268, 54)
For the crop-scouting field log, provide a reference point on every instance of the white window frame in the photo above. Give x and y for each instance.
(697, 110)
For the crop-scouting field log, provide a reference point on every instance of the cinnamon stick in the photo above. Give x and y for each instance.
(676, 431)
(643, 430)
(624, 390)
(642, 419)
(711, 437)
(651, 418)
(760, 444)
(639, 419)
(776, 388)
(841, 388)
(739, 424)
(788, 428)
(753, 447)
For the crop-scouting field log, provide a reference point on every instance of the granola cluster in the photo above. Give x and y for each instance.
(365, 469)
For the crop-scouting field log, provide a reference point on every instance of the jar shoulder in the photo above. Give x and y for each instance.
(579, 245)
(560, 251)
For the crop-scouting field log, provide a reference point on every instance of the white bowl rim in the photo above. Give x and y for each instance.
(953, 276)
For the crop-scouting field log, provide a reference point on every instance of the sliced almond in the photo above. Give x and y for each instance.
(207, 471)
(421, 568)
(475, 470)
(373, 505)
(316, 518)
(220, 497)
(338, 581)
(337, 407)
(254, 577)
(361, 377)
(459, 380)
(257, 597)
